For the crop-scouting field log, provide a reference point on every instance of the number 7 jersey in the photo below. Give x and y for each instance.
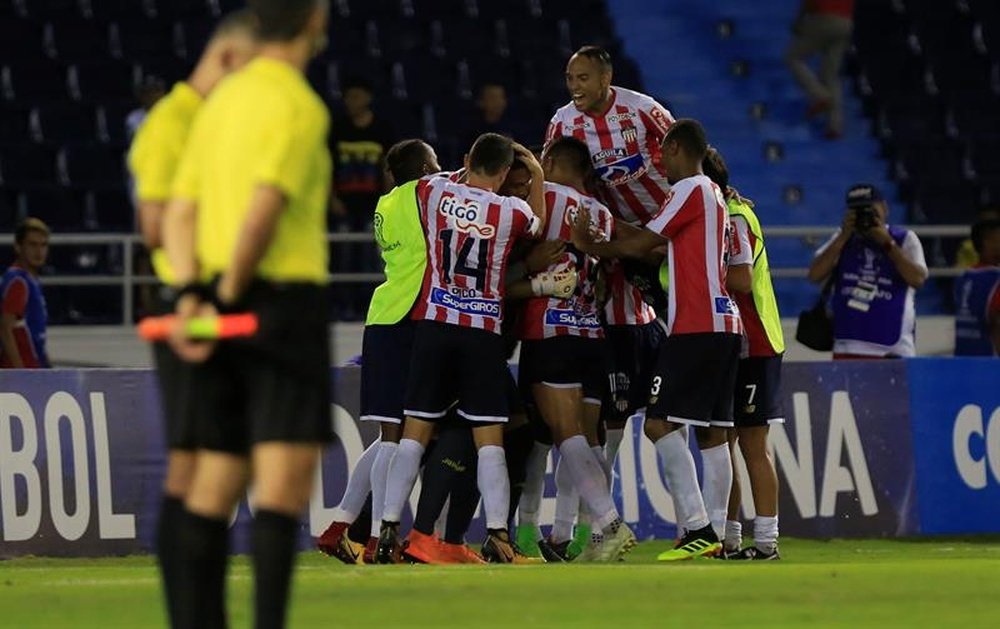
(470, 233)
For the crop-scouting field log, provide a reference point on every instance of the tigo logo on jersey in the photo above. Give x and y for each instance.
(465, 217)
(726, 306)
(483, 307)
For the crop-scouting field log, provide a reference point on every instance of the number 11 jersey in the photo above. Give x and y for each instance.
(470, 233)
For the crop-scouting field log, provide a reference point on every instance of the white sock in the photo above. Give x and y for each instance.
(534, 485)
(605, 464)
(494, 485)
(402, 475)
(718, 481)
(734, 535)
(380, 474)
(613, 442)
(358, 486)
(567, 503)
(765, 533)
(588, 476)
(682, 480)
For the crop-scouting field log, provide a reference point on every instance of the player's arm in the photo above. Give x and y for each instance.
(536, 194)
(655, 256)
(739, 278)
(635, 244)
(15, 300)
(258, 230)
(739, 275)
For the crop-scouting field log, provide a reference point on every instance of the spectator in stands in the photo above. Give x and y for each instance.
(977, 296)
(822, 27)
(23, 316)
(491, 116)
(359, 139)
(875, 270)
(967, 256)
(148, 94)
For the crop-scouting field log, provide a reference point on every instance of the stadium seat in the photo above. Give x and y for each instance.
(111, 121)
(109, 10)
(18, 38)
(15, 125)
(64, 124)
(136, 41)
(109, 211)
(182, 9)
(26, 166)
(169, 69)
(61, 208)
(41, 10)
(97, 82)
(192, 36)
(33, 81)
(94, 167)
(76, 40)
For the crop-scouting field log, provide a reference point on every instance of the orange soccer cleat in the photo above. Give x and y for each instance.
(461, 553)
(424, 548)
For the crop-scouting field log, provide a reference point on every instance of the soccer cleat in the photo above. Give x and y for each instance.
(728, 553)
(752, 553)
(528, 539)
(499, 549)
(370, 549)
(694, 544)
(389, 549)
(423, 548)
(460, 553)
(335, 543)
(611, 547)
(554, 552)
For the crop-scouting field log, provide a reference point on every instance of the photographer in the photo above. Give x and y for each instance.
(875, 270)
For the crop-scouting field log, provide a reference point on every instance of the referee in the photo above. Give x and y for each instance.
(248, 219)
(153, 160)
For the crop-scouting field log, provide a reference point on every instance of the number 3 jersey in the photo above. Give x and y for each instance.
(470, 233)
(546, 317)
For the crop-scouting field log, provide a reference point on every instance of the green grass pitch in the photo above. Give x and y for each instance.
(929, 583)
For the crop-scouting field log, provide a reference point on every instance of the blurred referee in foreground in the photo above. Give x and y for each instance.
(248, 217)
(153, 161)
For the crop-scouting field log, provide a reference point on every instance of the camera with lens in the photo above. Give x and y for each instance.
(866, 217)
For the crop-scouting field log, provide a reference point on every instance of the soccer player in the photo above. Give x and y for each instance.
(977, 294)
(696, 370)
(757, 403)
(623, 130)
(23, 316)
(387, 343)
(248, 216)
(562, 354)
(469, 233)
(153, 160)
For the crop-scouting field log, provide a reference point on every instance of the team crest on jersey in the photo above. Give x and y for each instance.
(630, 134)
(466, 217)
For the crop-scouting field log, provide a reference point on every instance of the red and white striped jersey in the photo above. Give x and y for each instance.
(546, 317)
(470, 233)
(624, 145)
(695, 221)
(625, 303)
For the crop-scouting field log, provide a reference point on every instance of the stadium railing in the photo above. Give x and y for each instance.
(131, 247)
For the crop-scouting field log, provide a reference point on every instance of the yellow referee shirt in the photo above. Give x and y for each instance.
(156, 153)
(262, 125)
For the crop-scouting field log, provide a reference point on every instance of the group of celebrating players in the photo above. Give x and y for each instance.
(641, 280)
(633, 276)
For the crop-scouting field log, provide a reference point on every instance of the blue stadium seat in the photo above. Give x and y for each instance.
(109, 10)
(41, 10)
(34, 81)
(61, 208)
(93, 167)
(76, 40)
(169, 69)
(109, 211)
(15, 125)
(26, 166)
(18, 39)
(192, 36)
(65, 124)
(98, 82)
(182, 9)
(111, 121)
(136, 41)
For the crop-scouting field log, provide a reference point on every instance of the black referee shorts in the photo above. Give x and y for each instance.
(275, 386)
(175, 378)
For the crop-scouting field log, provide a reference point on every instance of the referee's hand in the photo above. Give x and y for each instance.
(189, 350)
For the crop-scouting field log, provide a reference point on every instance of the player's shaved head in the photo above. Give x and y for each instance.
(491, 154)
(596, 54)
(410, 160)
(284, 20)
(715, 168)
(572, 154)
(690, 136)
(242, 22)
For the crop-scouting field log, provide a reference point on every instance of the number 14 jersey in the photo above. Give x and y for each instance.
(470, 233)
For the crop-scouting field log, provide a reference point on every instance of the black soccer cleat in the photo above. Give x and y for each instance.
(498, 548)
(553, 552)
(389, 549)
(752, 553)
